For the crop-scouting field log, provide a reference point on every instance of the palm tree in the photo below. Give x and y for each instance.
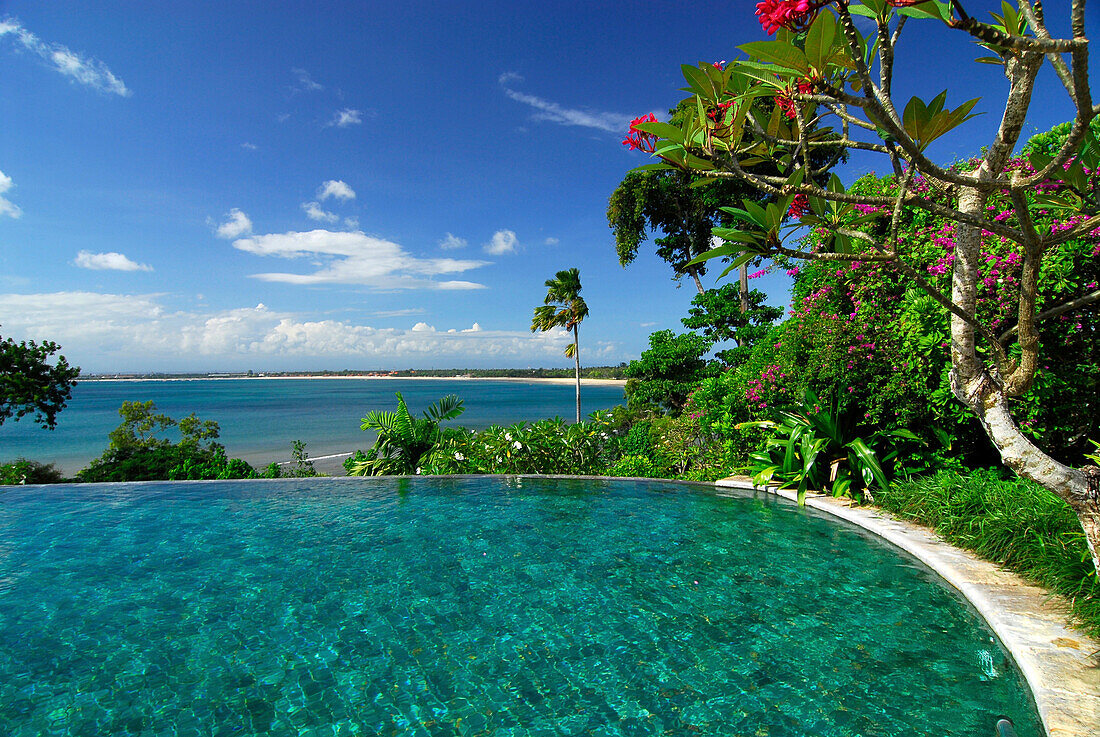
(564, 307)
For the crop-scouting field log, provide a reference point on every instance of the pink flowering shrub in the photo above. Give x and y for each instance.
(859, 333)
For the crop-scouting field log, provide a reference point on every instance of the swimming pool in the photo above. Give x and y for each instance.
(475, 606)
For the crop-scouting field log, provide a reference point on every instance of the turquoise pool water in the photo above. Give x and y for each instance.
(474, 607)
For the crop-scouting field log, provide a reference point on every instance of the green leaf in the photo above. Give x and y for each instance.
(698, 81)
(738, 262)
(780, 53)
(662, 130)
(862, 10)
(819, 40)
(867, 461)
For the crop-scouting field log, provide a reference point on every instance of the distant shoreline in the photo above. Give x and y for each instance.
(514, 379)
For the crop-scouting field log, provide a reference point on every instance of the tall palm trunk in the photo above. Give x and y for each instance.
(577, 360)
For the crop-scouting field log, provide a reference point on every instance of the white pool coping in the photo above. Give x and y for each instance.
(1061, 665)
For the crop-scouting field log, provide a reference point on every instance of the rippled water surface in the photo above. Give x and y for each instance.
(474, 607)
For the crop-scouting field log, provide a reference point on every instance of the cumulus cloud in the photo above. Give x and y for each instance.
(81, 69)
(249, 146)
(237, 225)
(122, 332)
(548, 110)
(7, 207)
(335, 188)
(110, 261)
(551, 242)
(314, 211)
(356, 258)
(451, 242)
(344, 118)
(504, 241)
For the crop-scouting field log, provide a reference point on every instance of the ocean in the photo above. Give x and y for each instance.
(260, 418)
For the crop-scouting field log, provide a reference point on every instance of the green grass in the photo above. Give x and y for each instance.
(1015, 523)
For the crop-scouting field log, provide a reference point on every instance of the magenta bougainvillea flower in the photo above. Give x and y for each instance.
(640, 140)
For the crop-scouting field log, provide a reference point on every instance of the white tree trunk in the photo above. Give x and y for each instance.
(979, 387)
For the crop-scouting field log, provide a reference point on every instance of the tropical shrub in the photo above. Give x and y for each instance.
(636, 466)
(664, 375)
(815, 447)
(137, 453)
(404, 442)
(550, 446)
(22, 471)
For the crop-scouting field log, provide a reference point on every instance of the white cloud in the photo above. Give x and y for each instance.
(451, 242)
(551, 242)
(335, 188)
(135, 332)
(237, 225)
(504, 241)
(7, 207)
(86, 71)
(555, 113)
(314, 211)
(111, 260)
(352, 223)
(344, 118)
(303, 82)
(356, 258)
(249, 146)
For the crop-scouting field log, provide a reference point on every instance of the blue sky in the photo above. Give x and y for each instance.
(282, 185)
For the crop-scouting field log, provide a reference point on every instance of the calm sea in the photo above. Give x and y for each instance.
(260, 418)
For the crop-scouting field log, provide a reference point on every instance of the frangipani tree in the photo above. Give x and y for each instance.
(564, 307)
(821, 76)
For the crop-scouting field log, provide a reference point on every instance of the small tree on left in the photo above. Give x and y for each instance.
(30, 383)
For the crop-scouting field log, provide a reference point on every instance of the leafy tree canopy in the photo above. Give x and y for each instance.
(717, 313)
(30, 384)
(664, 376)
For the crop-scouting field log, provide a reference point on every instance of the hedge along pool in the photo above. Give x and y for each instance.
(475, 606)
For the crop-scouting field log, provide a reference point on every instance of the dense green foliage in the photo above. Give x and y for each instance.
(22, 471)
(404, 442)
(663, 377)
(815, 447)
(30, 384)
(718, 314)
(137, 453)
(1015, 523)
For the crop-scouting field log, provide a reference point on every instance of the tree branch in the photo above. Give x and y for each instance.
(1074, 304)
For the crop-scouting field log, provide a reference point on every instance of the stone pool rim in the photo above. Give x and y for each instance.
(1061, 666)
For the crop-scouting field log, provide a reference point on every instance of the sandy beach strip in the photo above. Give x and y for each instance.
(513, 379)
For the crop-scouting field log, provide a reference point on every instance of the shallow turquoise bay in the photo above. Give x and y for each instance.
(261, 418)
(476, 607)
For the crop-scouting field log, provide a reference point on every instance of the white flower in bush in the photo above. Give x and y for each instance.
(459, 456)
(517, 445)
